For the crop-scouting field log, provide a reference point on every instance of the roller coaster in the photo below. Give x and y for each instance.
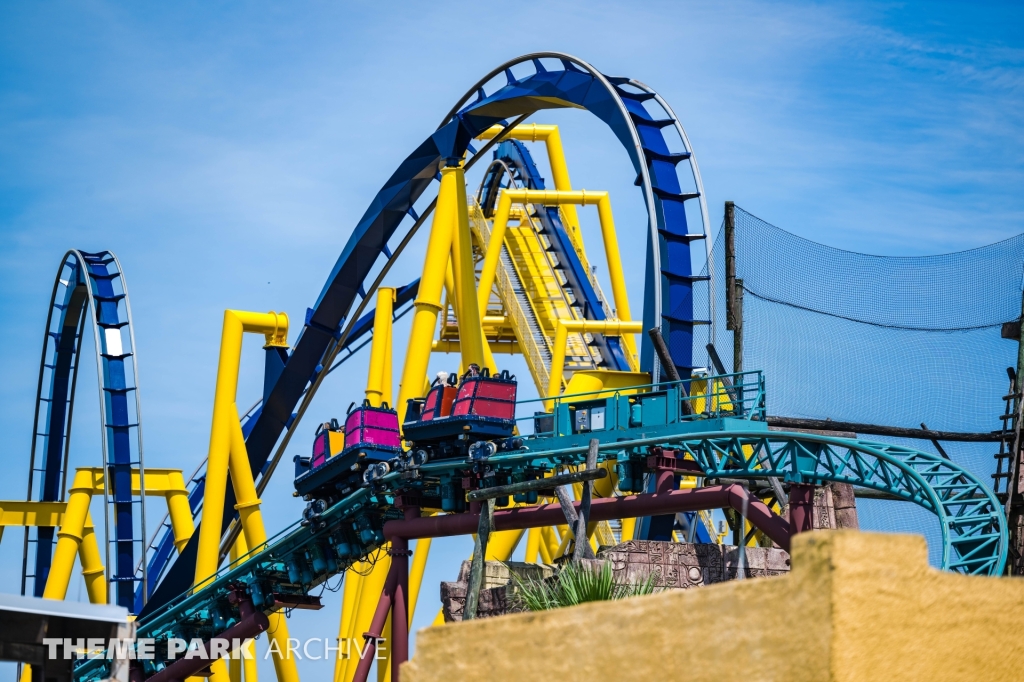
(624, 415)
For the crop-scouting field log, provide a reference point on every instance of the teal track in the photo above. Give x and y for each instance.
(974, 534)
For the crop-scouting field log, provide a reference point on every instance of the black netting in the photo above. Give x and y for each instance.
(876, 339)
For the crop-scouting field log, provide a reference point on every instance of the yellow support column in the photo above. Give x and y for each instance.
(609, 327)
(449, 284)
(501, 545)
(547, 541)
(92, 567)
(492, 255)
(388, 381)
(564, 199)
(69, 537)
(369, 594)
(255, 535)
(471, 333)
(378, 381)
(532, 545)
(25, 514)
(246, 661)
(628, 527)
(274, 327)
(428, 299)
(349, 605)
(552, 139)
(178, 508)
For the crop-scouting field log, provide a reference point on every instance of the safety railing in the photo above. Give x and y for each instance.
(537, 358)
(738, 396)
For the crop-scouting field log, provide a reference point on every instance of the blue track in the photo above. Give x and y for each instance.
(88, 282)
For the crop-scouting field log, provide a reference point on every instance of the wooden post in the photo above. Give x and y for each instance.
(730, 263)
(737, 332)
(476, 571)
(572, 518)
(1015, 486)
(582, 543)
(733, 289)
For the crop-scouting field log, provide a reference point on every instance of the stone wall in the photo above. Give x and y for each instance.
(495, 592)
(674, 565)
(835, 507)
(857, 607)
(684, 565)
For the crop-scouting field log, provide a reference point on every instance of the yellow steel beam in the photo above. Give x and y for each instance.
(168, 483)
(492, 254)
(607, 327)
(536, 132)
(36, 514)
(69, 537)
(76, 534)
(227, 460)
(471, 335)
(548, 545)
(533, 543)
(251, 519)
(427, 305)
(497, 347)
(51, 515)
(378, 383)
(349, 604)
(158, 481)
(366, 604)
(560, 198)
(236, 666)
(274, 327)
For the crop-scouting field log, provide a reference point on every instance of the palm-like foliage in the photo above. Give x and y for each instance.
(577, 583)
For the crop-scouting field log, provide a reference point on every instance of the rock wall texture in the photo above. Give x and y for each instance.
(673, 565)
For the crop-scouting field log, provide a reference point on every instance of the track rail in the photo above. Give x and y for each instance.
(576, 84)
(89, 282)
(974, 535)
(295, 562)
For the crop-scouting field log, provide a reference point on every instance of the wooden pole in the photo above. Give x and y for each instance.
(733, 289)
(1015, 487)
(582, 543)
(476, 571)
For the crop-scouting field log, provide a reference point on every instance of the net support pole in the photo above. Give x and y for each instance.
(1015, 489)
(733, 289)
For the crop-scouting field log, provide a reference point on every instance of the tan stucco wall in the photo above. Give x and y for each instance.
(857, 606)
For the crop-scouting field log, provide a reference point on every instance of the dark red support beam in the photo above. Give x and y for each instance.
(604, 509)
(380, 617)
(801, 507)
(400, 605)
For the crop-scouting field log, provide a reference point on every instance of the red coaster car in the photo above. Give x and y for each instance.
(483, 408)
(371, 435)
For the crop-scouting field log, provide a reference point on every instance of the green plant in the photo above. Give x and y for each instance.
(577, 583)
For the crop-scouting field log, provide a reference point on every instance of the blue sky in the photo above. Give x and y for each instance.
(225, 150)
